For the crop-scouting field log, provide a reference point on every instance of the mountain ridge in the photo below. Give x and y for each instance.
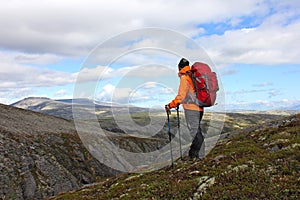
(87, 107)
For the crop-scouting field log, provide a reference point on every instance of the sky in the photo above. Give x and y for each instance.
(127, 51)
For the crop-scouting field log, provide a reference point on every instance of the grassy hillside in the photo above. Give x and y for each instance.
(259, 163)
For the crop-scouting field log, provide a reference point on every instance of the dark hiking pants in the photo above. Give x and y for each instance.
(193, 119)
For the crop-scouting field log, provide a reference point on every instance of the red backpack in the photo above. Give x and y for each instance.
(205, 83)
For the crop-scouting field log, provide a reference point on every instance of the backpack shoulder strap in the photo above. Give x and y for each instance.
(192, 75)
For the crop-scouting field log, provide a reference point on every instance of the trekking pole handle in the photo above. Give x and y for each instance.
(167, 108)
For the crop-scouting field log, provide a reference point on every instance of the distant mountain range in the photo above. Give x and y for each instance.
(261, 107)
(85, 108)
(295, 107)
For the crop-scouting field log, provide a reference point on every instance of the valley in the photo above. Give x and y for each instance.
(44, 156)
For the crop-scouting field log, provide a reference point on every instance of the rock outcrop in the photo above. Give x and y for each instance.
(42, 155)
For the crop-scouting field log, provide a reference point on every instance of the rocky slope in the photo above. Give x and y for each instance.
(42, 155)
(262, 162)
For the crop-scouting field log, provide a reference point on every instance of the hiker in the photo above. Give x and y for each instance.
(193, 113)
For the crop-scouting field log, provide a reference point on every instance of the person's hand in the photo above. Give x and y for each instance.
(167, 108)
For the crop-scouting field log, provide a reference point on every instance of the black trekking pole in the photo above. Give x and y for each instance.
(170, 138)
(178, 126)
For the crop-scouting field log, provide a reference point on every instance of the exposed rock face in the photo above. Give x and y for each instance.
(42, 156)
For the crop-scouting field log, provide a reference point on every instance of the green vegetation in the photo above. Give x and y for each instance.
(262, 163)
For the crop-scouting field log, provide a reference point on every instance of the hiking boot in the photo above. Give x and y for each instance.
(186, 158)
(195, 159)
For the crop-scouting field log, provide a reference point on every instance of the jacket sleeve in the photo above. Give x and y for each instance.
(182, 92)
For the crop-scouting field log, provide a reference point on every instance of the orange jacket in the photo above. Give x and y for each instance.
(185, 86)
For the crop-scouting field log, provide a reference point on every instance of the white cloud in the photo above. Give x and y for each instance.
(29, 58)
(264, 84)
(9, 96)
(273, 41)
(35, 33)
(33, 59)
(110, 93)
(262, 104)
(227, 72)
(17, 70)
(244, 91)
(100, 73)
(5, 101)
(19, 79)
(15, 76)
(149, 91)
(149, 85)
(60, 93)
(74, 27)
(94, 74)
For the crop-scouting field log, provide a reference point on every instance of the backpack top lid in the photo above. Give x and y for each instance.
(182, 63)
(200, 68)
